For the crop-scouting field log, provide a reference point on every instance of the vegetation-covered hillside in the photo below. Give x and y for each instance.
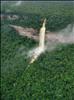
(51, 77)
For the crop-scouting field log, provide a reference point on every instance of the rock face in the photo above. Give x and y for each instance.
(28, 32)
